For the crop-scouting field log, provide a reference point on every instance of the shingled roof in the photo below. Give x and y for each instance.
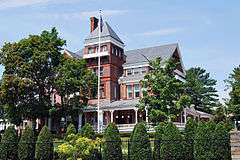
(141, 56)
(107, 32)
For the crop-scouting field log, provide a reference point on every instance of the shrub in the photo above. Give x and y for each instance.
(172, 143)
(112, 146)
(204, 141)
(70, 130)
(87, 131)
(158, 138)
(140, 147)
(78, 147)
(44, 145)
(8, 148)
(222, 146)
(190, 129)
(26, 145)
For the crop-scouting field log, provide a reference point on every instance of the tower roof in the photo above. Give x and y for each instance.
(106, 34)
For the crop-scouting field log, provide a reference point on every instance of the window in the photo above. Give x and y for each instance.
(129, 91)
(137, 70)
(90, 50)
(136, 91)
(129, 72)
(104, 48)
(144, 70)
(102, 94)
(101, 71)
(95, 70)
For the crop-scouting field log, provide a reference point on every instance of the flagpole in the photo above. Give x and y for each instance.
(99, 63)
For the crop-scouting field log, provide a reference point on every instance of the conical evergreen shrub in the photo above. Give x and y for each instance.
(44, 145)
(112, 149)
(70, 130)
(172, 143)
(158, 138)
(26, 145)
(222, 142)
(140, 147)
(190, 130)
(87, 131)
(8, 147)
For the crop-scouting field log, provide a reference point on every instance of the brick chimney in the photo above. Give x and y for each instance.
(93, 23)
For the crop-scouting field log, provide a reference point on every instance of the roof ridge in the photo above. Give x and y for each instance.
(153, 47)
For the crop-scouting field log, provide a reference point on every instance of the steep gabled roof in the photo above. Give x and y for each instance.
(141, 56)
(77, 54)
(106, 33)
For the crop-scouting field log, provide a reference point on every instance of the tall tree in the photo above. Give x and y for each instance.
(75, 83)
(162, 91)
(30, 66)
(201, 89)
(234, 85)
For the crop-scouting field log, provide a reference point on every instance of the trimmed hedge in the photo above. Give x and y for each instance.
(140, 147)
(172, 143)
(8, 148)
(112, 149)
(189, 132)
(87, 131)
(159, 130)
(26, 145)
(44, 145)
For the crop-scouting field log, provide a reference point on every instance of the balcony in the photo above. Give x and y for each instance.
(94, 55)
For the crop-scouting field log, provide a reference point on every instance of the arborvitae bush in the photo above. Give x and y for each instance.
(70, 130)
(8, 148)
(172, 143)
(222, 143)
(26, 145)
(44, 145)
(204, 141)
(190, 129)
(87, 131)
(158, 138)
(140, 147)
(112, 149)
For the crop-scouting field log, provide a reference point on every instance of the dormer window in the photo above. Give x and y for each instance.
(104, 48)
(129, 92)
(136, 91)
(90, 50)
(129, 72)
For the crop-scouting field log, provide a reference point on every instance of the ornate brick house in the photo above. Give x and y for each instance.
(121, 72)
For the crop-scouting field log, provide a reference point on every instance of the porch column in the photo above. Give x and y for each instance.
(185, 115)
(146, 111)
(136, 116)
(80, 121)
(101, 120)
(111, 111)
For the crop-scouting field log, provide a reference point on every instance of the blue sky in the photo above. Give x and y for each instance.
(207, 31)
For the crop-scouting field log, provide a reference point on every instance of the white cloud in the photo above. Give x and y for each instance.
(82, 15)
(162, 32)
(5, 4)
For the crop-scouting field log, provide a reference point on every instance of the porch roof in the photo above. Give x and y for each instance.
(107, 105)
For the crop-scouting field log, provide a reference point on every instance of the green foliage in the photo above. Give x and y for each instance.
(44, 145)
(87, 131)
(73, 77)
(204, 141)
(112, 143)
(234, 85)
(201, 88)
(172, 143)
(220, 114)
(190, 130)
(140, 147)
(222, 142)
(78, 147)
(70, 130)
(26, 145)
(159, 130)
(8, 148)
(165, 91)
(27, 83)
